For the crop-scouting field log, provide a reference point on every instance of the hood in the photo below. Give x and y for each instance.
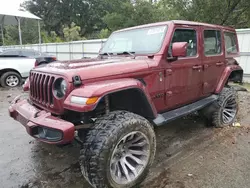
(96, 68)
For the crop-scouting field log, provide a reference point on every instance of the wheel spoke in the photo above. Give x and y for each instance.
(231, 102)
(138, 144)
(119, 174)
(138, 138)
(230, 110)
(138, 152)
(124, 140)
(132, 169)
(137, 160)
(228, 113)
(128, 164)
(125, 170)
(225, 118)
(131, 137)
(131, 153)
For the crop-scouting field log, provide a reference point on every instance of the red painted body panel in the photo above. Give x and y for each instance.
(26, 85)
(224, 77)
(32, 117)
(102, 88)
(98, 69)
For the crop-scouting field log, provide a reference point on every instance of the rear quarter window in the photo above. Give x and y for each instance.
(230, 43)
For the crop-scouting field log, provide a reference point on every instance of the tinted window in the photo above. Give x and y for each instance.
(212, 42)
(28, 53)
(185, 35)
(230, 42)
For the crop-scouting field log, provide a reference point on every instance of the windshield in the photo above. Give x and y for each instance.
(138, 41)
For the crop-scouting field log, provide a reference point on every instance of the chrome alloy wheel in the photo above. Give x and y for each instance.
(229, 110)
(12, 81)
(130, 157)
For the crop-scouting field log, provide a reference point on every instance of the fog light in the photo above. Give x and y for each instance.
(48, 134)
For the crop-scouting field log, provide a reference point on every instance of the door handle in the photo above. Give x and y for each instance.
(195, 67)
(219, 63)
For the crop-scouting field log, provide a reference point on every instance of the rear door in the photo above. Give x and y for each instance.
(213, 58)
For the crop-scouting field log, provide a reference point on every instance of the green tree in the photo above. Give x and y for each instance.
(50, 37)
(224, 12)
(29, 33)
(104, 33)
(87, 14)
(72, 32)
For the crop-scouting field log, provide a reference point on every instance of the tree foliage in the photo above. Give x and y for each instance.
(224, 12)
(98, 18)
(72, 33)
(29, 33)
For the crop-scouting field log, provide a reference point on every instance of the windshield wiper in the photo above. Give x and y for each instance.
(127, 52)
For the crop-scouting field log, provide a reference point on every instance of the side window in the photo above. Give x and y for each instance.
(230, 42)
(185, 35)
(212, 42)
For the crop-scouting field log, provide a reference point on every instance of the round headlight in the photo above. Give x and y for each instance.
(60, 87)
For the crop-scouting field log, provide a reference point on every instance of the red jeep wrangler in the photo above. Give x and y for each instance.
(144, 76)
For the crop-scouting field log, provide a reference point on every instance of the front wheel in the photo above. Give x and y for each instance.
(118, 150)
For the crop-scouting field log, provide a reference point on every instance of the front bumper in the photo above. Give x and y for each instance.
(41, 124)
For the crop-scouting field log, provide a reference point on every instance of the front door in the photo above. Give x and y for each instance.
(213, 59)
(184, 76)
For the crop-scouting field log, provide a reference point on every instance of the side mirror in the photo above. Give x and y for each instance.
(179, 49)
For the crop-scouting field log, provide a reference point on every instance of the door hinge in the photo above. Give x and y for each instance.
(169, 93)
(169, 71)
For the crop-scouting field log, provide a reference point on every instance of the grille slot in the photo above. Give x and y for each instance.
(41, 88)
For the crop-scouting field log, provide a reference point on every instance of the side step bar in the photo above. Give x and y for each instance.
(182, 111)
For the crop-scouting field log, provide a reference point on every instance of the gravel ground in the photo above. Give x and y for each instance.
(189, 155)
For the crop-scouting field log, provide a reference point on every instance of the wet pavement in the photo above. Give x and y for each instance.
(189, 155)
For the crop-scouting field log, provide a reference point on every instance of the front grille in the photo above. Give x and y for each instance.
(41, 88)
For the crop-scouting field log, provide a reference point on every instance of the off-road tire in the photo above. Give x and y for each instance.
(213, 114)
(6, 75)
(100, 142)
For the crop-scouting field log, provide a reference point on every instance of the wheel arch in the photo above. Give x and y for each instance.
(119, 91)
(230, 73)
(236, 76)
(2, 71)
(133, 100)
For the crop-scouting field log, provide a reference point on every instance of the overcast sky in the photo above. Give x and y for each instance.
(11, 3)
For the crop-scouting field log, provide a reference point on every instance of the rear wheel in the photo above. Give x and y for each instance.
(118, 150)
(224, 111)
(10, 79)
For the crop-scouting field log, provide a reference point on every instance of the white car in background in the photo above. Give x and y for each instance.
(14, 70)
